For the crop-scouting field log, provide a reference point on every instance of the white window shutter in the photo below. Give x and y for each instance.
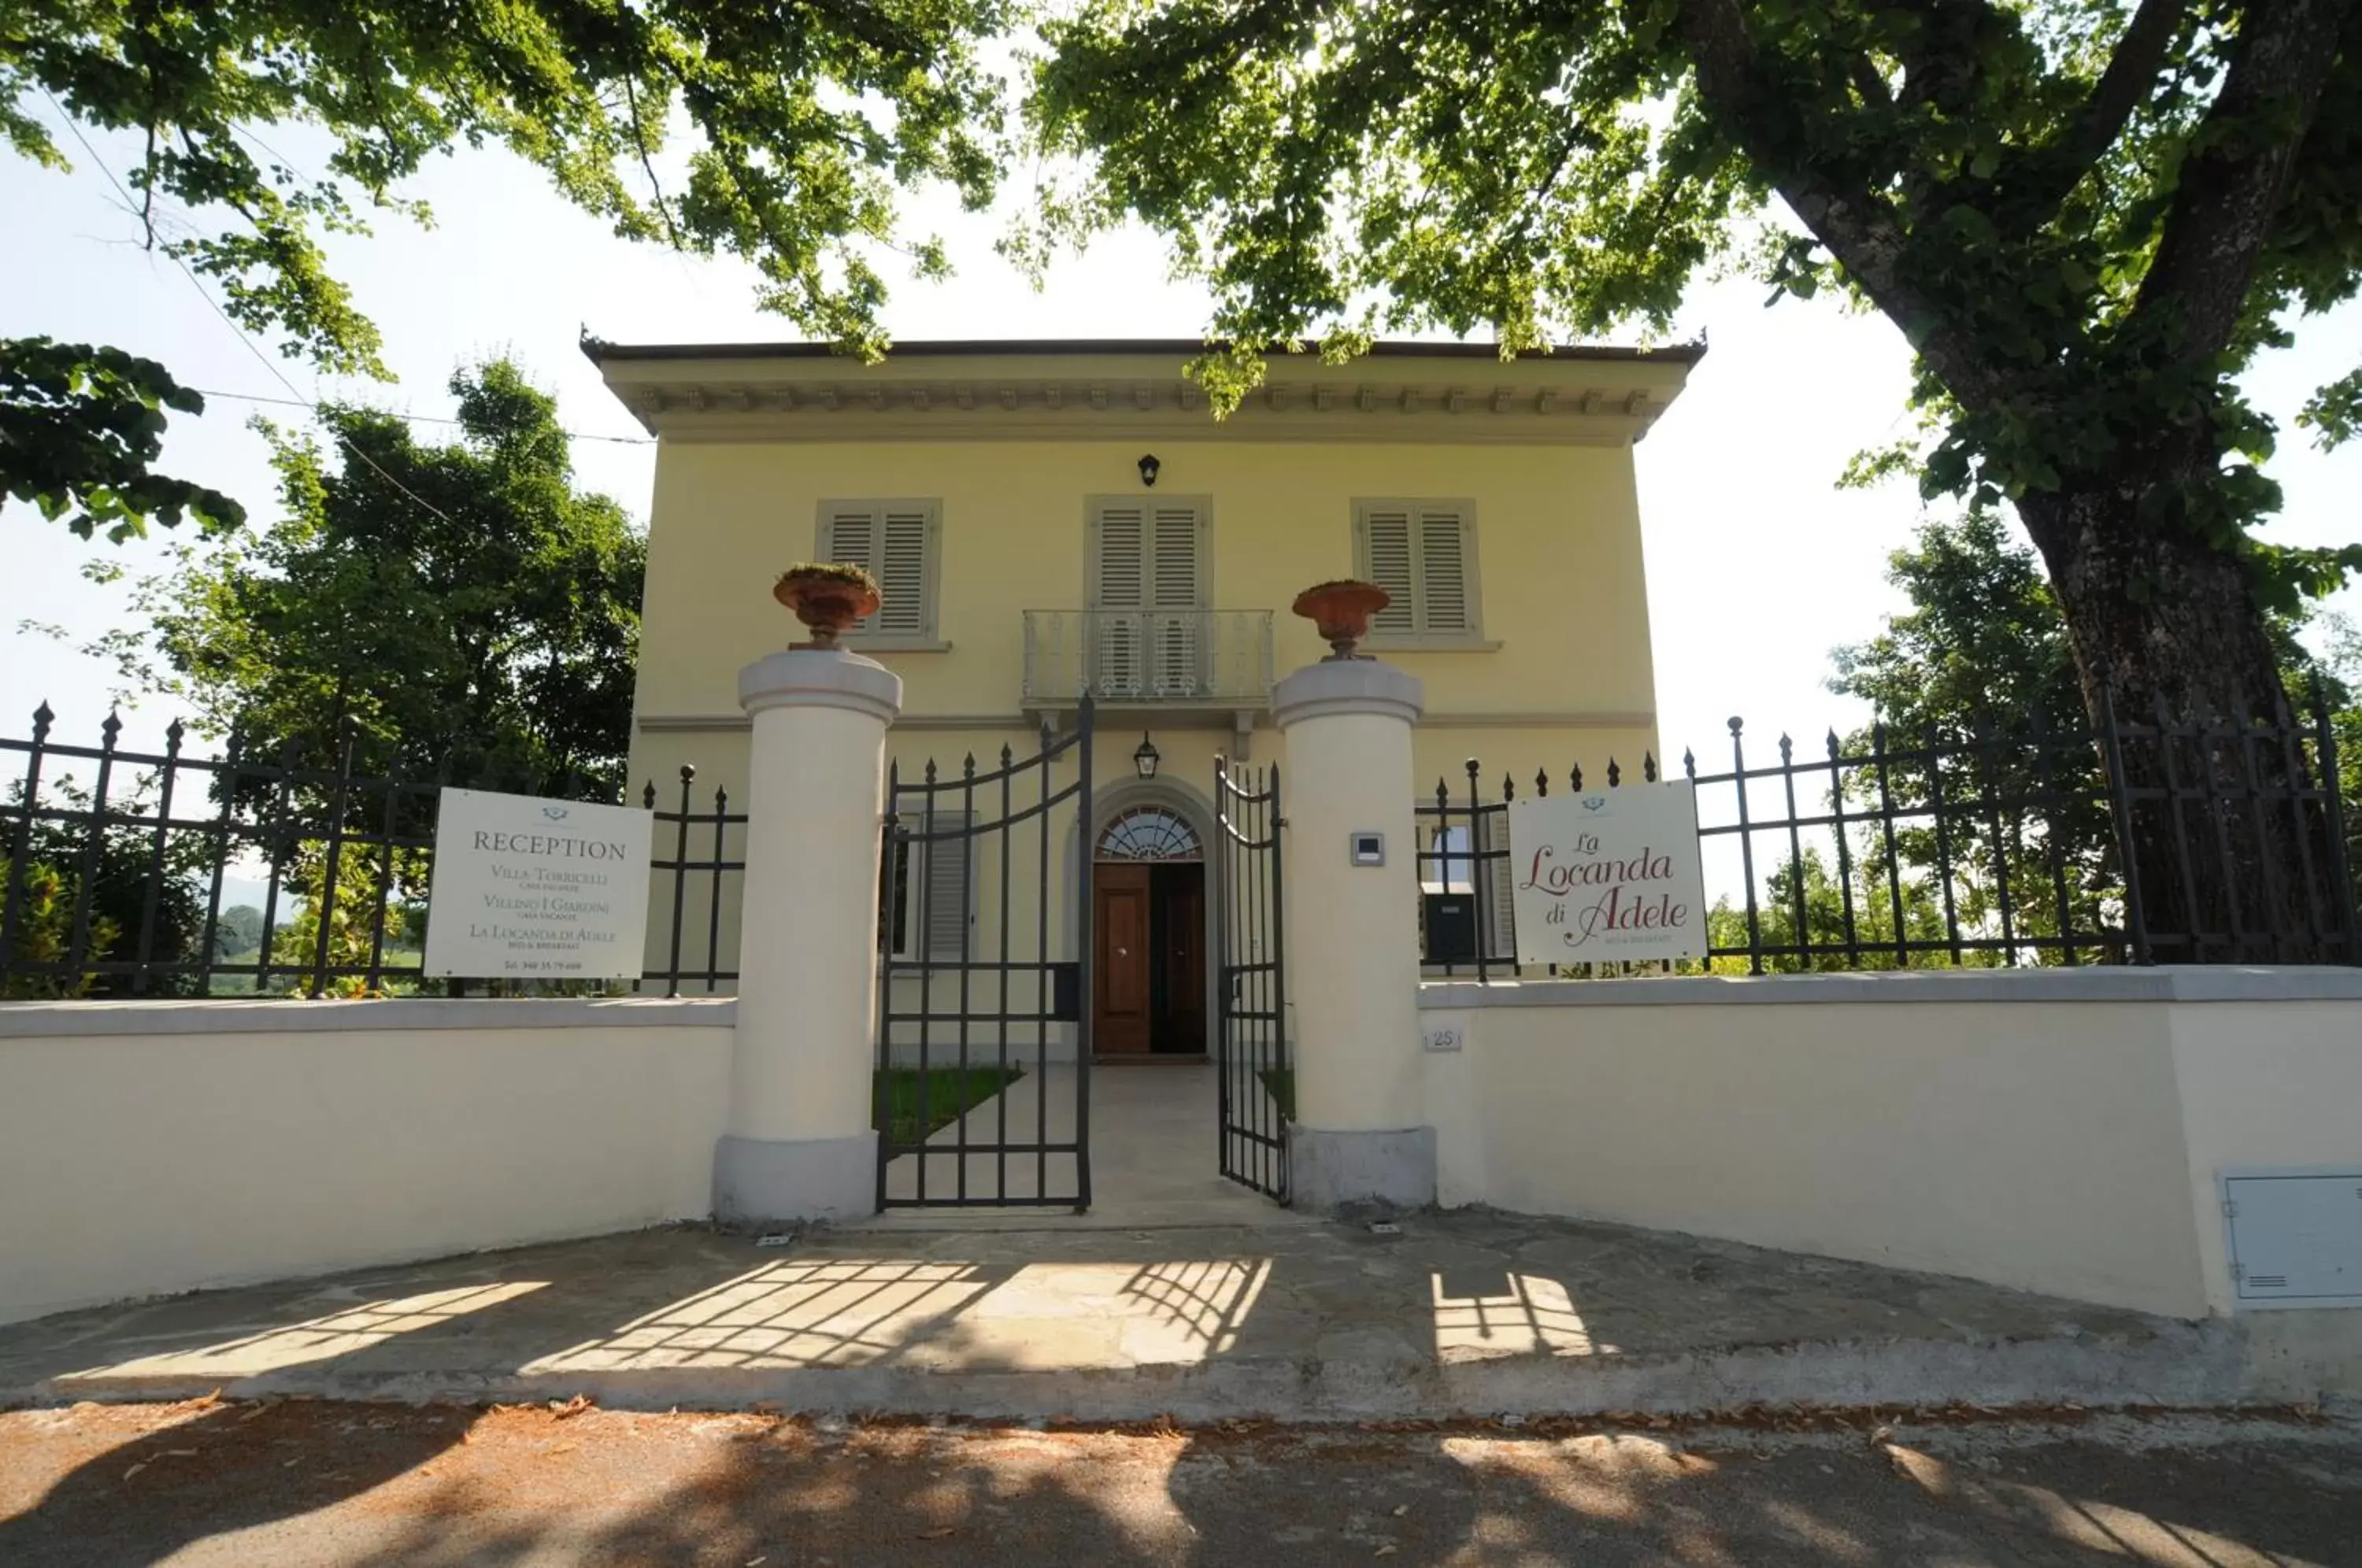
(849, 537)
(1174, 575)
(901, 570)
(1496, 882)
(1444, 600)
(1119, 637)
(937, 891)
(1124, 559)
(1387, 562)
(949, 885)
(1176, 586)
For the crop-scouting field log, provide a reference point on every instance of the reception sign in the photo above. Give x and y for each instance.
(551, 888)
(1607, 877)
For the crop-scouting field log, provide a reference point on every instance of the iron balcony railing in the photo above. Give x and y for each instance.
(1215, 658)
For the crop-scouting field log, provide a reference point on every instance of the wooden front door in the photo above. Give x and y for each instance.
(1121, 958)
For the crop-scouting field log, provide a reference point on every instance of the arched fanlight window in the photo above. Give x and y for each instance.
(1149, 832)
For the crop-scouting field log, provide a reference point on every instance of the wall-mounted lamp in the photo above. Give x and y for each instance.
(1146, 758)
(1148, 468)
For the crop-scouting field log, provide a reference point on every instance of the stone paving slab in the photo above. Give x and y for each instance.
(1468, 1313)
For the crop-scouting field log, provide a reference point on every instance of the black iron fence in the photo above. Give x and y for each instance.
(162, 874)
(2008, 844)
(127, 874)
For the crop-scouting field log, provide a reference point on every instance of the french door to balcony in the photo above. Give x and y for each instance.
(1148, 639)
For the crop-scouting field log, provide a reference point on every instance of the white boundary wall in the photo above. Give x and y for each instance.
(2058, 1130)
(153, 1147)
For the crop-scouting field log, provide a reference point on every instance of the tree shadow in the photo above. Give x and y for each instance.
(780, 1493)
(228, 1468)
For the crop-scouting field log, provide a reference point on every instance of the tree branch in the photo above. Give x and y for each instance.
(647, 165)
(2043, 176)
(1942, 67)
(1856, 226)
(2233, 184)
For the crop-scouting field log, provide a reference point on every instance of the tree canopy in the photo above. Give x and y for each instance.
(804, 115)
(2083, 179)
(466, 611)
(2085, 215)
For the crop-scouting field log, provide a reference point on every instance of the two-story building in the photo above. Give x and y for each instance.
(1055, 518)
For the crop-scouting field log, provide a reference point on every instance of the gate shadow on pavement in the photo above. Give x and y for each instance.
(1469, 1312)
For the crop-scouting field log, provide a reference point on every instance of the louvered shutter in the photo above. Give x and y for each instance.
(901, 570)
(1120, 632)
(936, 897)
(949, 886)
(894, 544)
(1494, 882)
(1387, 562)
(1123, 558)
(1443, 608)
(1423, 556)
(1174, 590)
(848, 535)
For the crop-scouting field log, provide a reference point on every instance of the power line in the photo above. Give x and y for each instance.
(267, 362)
(413, 419)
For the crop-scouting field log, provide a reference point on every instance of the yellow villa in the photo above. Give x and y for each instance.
(1053, 519)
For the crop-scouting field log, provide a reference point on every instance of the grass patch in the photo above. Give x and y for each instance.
(949, 1092)
(1280, 1084)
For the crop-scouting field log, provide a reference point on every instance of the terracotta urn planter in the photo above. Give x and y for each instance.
(827, 598)
(1341, 611)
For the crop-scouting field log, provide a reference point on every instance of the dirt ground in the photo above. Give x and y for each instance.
(312, 1483)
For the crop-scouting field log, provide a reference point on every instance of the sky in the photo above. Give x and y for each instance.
(1758, 566)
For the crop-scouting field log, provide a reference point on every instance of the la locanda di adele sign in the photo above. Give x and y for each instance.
(1607, 877)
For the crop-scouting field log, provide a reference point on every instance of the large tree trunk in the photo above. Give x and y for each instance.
(2231, 846)
(2229, 842)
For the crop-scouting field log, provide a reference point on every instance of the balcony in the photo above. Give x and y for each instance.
(1173, 660)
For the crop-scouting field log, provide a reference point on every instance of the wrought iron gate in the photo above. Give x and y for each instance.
(978, 1102)
(1258, 1087)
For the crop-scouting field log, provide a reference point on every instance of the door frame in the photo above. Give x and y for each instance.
(1111, 800)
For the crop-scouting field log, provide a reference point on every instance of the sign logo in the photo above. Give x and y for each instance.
(555, 813)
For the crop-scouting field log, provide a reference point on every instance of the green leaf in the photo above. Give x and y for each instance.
(80, 428)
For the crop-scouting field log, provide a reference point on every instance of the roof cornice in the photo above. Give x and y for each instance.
(599, 350)
(1083, 389)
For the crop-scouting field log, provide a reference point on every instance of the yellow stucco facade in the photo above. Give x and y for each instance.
(1014, 452)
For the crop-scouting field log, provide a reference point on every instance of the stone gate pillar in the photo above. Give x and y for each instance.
(798, 1144)
(1351, 914)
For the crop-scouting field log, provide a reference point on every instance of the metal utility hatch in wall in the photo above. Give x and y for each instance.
(2295, 1236)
